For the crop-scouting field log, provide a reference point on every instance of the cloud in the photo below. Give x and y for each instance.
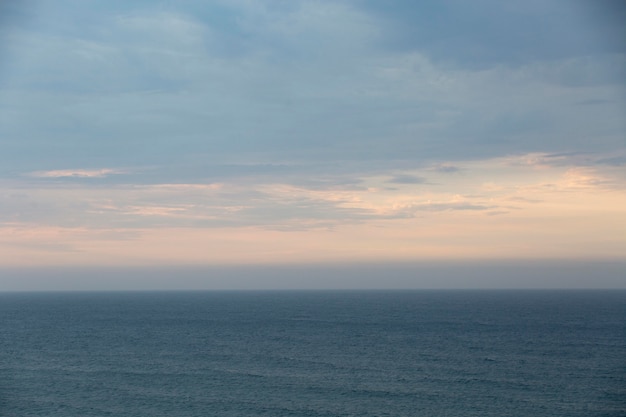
(451, 206)
(617, 161)
(162, 211)
(406, 179)
(584, 178)
(562, 30)
(77, 173)
(448, 168)
(299, 201)
(561, 211)
(312, 83)
(386, 129)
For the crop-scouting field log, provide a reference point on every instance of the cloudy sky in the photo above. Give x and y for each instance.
(286, 133)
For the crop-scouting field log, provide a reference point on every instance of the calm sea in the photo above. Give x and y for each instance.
(374, 353)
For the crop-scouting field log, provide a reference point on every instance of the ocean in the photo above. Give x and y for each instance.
(314, 353)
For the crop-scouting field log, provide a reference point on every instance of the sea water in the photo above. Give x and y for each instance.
(341, 353)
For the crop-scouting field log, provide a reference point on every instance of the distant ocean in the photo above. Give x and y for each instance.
(339, 353)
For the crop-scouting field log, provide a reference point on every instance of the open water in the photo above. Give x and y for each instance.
(374, 353)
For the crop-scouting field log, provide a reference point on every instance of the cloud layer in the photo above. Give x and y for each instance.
(310, 131)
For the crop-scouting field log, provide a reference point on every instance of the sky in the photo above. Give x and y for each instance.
(283, 143)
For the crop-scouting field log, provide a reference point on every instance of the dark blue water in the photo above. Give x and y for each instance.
(422, 353)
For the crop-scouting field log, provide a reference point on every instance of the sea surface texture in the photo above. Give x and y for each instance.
(419, 353)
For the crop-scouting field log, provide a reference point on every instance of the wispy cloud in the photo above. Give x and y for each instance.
(77, 173)
(406, 179)
(504, 185)
(445, 167)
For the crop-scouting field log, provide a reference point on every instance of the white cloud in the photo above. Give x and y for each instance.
(77, 173)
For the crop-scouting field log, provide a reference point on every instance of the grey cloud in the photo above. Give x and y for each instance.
(414, 210)
(616, 161)
(488, 33)
(451, 206)
(496, 212)
(524, 199)
(164, 97)
(406, 179)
